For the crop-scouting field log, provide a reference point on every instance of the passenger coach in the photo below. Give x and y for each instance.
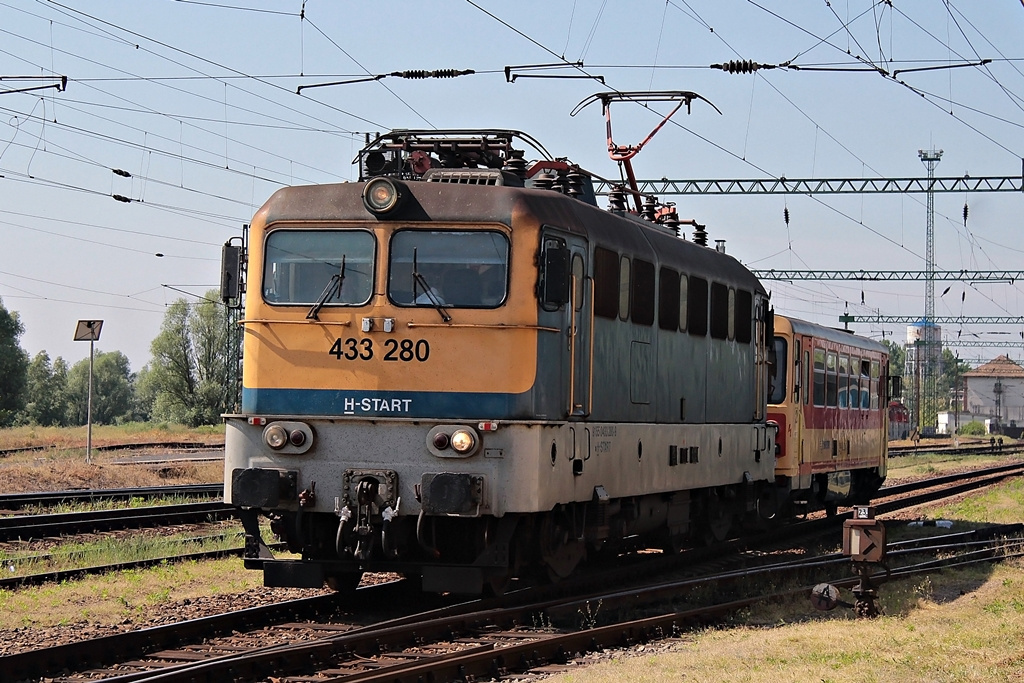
(829, 397)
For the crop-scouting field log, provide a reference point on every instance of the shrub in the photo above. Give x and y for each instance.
(974, 428)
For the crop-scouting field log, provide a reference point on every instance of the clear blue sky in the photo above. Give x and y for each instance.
(196, 100)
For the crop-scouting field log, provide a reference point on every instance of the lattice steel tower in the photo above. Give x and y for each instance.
(930, 159)
(927, 337)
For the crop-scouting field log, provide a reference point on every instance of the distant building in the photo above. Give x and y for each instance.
(995, 394)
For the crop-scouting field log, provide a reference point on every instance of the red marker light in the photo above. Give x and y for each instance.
(488, 426)
(258, 421)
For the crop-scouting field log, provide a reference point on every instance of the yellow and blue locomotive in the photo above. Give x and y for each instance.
(460, 368)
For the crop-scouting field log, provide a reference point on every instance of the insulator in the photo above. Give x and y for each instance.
(785, 215)
(515, 163)
(617, 199)
(544, 180)
(121, 198)
(574, 183)
(965, 214)
(437, 73)
(670, 219)
(649, 208)
(741, 66)
(700, 235)
(123, 174)
(561, 183)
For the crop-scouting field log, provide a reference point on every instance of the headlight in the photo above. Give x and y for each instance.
(463, 441)
(381, 195)
(276, 436)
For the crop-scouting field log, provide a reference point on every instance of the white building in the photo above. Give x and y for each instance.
(996, 391)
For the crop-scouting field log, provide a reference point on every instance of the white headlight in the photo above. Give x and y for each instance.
(276, 436)
(463, 441)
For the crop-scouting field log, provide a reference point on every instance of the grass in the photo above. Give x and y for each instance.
(74, 438)
(938, 464)
(105, 550)
(931, 633)
(112, 599)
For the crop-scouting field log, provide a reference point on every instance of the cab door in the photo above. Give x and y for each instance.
(579, 322)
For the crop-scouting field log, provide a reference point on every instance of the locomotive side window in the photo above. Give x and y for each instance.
(300, 265)
(606, 283)
(624, 268)
(668, 299)
(777, 378)
(684, 282)
(643, 292)
(744, 316)
(719, 311)
(578, 277)
(819, 377)
(697, 307)
(553, 283)
(831, 379)
(451, 268)
(732, 313)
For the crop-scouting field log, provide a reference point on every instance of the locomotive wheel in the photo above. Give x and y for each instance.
(559, 550)
(344, 583)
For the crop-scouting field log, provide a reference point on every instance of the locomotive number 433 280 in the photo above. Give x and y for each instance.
(399, 350)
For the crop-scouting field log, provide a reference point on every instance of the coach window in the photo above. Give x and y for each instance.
(606, 283)
(777, 377)
(744, 316)
(624, 285)
(874, 385)
(719, 311)
(451, 268)
(643, 292)
(865, 383)
(831, 379)
(844, 381)
(301, 266)
(697, 307)
(807, 378)
(854, 382)
(684, 282)
(668, 299)
(819, 377)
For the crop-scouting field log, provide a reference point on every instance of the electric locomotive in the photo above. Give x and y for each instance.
(460, 368)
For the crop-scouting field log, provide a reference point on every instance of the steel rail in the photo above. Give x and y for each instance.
(26, 527)
(17, 501)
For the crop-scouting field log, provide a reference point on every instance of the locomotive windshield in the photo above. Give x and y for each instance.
(299, 266)
(450, 268)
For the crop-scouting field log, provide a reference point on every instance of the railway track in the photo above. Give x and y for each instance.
(949, 449)
(20, 501)
(481, 638)
(29, 527)
(130, 446)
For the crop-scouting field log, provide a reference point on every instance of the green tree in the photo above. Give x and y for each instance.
(47, 396)
(13, 367)
(111, 389)
(191, 363)
(953, 370)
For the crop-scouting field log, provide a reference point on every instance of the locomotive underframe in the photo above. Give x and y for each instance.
(372, 496)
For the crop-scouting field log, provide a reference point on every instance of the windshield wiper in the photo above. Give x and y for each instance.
(332, 290)
(431, 294)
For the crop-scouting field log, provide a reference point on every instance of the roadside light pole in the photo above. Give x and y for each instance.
(89, 330)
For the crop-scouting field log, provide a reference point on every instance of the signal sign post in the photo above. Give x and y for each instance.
(864, 543)
(89, 330)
